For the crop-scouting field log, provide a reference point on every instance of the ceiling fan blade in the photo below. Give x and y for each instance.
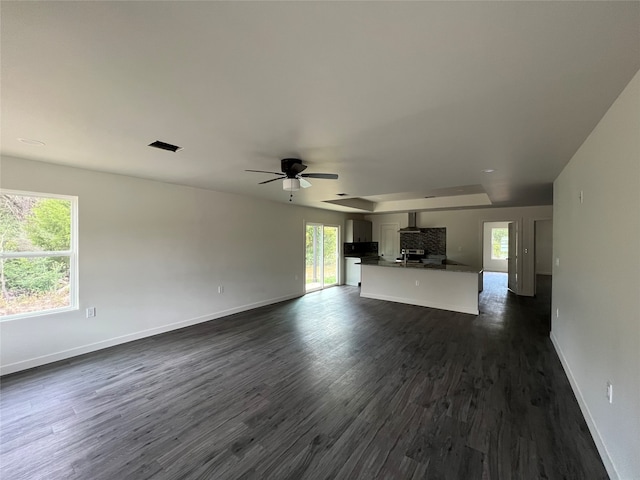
(326, 176)
(263, 171)
(272, 180)
(304, 183)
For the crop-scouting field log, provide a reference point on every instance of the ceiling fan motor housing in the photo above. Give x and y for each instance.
(292, 166)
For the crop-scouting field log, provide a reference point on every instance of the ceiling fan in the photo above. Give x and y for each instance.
(292, 175)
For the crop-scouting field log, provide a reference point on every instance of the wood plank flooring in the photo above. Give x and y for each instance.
(328, 386)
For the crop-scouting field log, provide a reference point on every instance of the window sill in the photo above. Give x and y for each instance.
(20, 316)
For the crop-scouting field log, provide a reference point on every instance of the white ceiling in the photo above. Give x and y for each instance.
(399, 98)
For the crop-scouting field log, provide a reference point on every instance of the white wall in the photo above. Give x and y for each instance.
(151, 257)
(464, 233)
(490, 264)
(596, 286)
(544, 247)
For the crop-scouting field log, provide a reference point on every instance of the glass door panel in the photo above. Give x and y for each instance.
(313, 257)
(321, 256)
(330, 256)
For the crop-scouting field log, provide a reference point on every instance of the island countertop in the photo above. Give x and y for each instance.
(421, 266)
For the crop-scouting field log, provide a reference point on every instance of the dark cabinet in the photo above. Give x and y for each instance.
(358, 231)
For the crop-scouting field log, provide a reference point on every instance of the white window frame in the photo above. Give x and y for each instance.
(492, 244)
(72, 253)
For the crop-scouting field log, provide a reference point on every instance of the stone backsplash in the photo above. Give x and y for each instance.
(432, 240)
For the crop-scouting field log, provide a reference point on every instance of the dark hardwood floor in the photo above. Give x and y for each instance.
(326, 386)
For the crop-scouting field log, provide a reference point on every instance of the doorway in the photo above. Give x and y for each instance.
(543, 251)
(500, 251)
(495, 247)
(321, 256)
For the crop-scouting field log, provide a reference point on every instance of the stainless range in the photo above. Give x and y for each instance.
(411, 255)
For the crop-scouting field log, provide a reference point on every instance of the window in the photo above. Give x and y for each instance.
(38, 254)
(499, 243)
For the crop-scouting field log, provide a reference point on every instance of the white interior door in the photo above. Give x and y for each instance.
(512, 259)
(389, 247)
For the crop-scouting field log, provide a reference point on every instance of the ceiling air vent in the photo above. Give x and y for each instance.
(165, 146)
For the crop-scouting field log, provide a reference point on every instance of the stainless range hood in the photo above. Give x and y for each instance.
(412, 228)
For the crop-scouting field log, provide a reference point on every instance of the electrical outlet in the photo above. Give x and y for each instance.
(91, 312)
(557, 261)
(610, 392)
(417, 283)
(220, 289)
(557, 313)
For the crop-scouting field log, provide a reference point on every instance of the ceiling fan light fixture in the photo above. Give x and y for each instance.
(291, 184)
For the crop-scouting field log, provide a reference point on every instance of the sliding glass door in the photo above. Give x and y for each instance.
(321, 264)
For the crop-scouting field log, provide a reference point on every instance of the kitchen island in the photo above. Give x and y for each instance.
(447, 287)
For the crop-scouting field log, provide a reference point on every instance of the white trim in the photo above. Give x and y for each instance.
(47, 253)
(24, 193)
(595, 433)
(92, 347)
(74, 265)
(38, 313)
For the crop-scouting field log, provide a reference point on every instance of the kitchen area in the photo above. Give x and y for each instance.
(358, 246)
(419, 275)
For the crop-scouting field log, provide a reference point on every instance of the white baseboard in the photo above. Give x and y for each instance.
(411, 301)
(92, 347)
(595, 433)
